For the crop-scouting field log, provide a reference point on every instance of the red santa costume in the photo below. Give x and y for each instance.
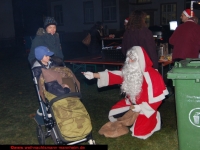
(144, 88)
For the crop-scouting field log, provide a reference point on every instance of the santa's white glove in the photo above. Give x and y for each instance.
(136, 108)
(89, 75)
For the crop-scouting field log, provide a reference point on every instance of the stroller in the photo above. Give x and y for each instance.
(65, 118)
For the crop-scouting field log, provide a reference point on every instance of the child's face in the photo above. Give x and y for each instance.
(45, 59)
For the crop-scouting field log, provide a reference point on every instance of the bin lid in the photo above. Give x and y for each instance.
(185, 69)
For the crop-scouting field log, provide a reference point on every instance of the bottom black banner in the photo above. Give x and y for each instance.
(54, 147)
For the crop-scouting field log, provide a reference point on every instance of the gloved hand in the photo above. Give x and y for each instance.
(88, 75)
(136, 108)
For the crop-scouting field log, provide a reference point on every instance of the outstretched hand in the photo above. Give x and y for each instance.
(88, 75)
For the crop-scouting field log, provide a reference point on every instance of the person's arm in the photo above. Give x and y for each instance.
(105, 78)
(146, 108)
(176, 35)
(37, 41)
(96, 75)
(91, 75)
(31, 55)
(55, 88)
(59, 52)
(37, 72)
(65, 86)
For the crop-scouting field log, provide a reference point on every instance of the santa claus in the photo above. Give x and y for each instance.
(144, 89)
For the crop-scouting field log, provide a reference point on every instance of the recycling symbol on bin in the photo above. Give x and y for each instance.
(194, 117)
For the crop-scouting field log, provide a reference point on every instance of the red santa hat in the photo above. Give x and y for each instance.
(126, 20)
(144, 60)
(188, 14)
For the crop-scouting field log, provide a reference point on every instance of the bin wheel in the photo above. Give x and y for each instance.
(40, 135)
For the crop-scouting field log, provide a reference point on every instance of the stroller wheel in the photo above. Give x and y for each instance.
(91, 142)
(40, 135)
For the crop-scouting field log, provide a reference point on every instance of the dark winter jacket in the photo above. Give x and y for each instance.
(52, 42)
(37, 67)
(141, 37)
(186, 41)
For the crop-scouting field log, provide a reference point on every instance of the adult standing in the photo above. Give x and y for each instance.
(144, 88)
(96, 33)
(137, 34)
(47, 37)
(186, 38)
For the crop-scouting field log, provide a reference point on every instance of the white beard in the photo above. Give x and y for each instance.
(133, 80)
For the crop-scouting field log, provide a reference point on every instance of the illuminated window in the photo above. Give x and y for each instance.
(109, 10)
(58, 14)
(88, 12)
(168, 13)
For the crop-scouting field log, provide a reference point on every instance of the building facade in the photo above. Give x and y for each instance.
(78, 16)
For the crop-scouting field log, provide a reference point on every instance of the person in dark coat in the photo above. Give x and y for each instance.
(96, 33)
(48, 37)
(186, 38)
(137, 34)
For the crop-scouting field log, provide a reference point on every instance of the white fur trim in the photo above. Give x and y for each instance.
(117, 111)
(157, 128)
(141, 57)
(103, 81)
(187, 15)
(137, 108)
(117, 72)
(150, 90)
(112, 119)
(146, 109)
(104, 77)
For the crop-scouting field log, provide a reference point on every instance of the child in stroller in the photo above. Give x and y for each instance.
(61, 113)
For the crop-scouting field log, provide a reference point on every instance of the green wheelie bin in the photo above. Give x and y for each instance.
(186, 81)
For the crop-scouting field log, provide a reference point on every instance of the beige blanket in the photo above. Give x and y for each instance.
(119, 127)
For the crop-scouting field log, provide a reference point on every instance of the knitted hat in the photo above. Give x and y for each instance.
(49, 21)
(42, 51)
(126, 20)
(188, 14)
